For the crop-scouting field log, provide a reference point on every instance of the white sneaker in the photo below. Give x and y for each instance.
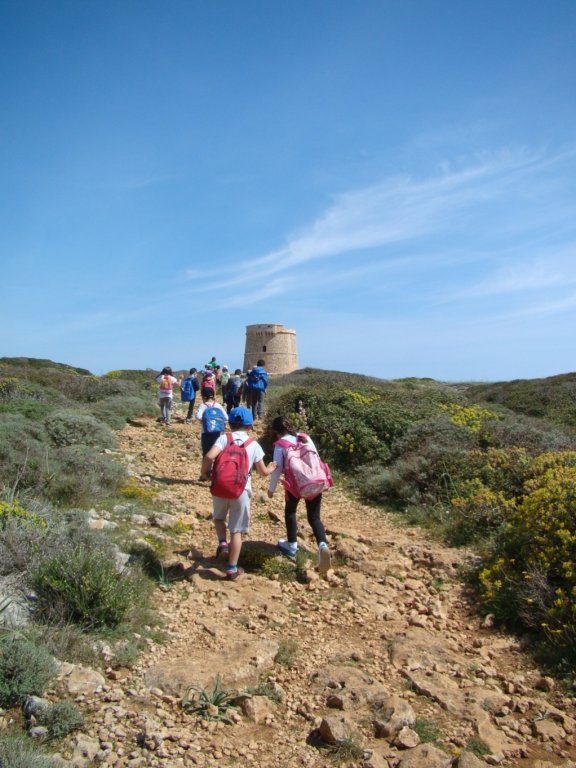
(287, 548)
(323, 558)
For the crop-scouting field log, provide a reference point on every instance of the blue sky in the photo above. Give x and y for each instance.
(393, 179)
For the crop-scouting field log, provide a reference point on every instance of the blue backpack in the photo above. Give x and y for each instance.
(213, 420)
(257, 379)
(188, 390)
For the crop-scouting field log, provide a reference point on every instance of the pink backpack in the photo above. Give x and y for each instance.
(305, 474)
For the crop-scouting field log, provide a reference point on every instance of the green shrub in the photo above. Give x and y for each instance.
(80, 474)
(14, 511)
(68, 642)
(83, 586)
(530, 579)
(287, 652)
(348, 750)
(439, 432)
(61, 718)
(20, 752)
(428, 730)
(118, 410)
(553, 398)
(25, 669)
(477, 746)
(533, 435)
(33, 410)
(22, 536)
(9, 387)
(22, 451)
(353, 424)
(74, 428)
(373, 483)
(477, 514)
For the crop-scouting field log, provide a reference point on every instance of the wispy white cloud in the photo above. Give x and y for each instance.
(497, 197)
(274, 288)
(552, 307)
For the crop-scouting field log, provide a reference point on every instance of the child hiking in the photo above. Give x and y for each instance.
(188, 388)
(233, 395)
(166, 380)
(295, 488)
(213, 417)
(246, 453)
(256, 385)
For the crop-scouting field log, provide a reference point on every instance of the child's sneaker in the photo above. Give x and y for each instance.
(232, 575)
(323, 558)
(222, 552)
(287, 548)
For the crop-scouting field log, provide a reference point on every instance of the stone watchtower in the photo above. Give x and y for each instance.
(272, 343)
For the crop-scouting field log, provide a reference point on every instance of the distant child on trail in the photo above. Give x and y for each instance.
(188, 388)
(256, 384)
(166, 380)
(236, 509)
(224, 379)
(213, 417)
(208, 380)
(234, 388)
(286, 439)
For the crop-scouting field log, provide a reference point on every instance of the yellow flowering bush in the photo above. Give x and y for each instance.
(361, 398)
(8, 386)
(477, 511)
(15, 511)
(533, 574)
(502, 469)
(131, 490)
(469, 416)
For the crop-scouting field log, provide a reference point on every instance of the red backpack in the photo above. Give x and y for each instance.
(305, 474)
(231, 469)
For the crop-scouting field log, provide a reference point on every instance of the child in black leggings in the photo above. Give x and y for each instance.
(284, 432)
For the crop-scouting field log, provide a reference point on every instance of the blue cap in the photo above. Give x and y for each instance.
(242, 416)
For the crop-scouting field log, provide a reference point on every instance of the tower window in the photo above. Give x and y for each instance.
(264, 348)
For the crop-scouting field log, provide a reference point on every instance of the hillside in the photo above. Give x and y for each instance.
(552, 398)
(389, 638)
(389, 661)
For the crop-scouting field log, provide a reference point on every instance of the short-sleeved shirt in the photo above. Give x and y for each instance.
(201, 408)
(254, 449)
(166, 384)
(278, 458)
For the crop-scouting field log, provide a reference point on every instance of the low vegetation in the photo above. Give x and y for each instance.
(57, 444)
(210, 703)
(491, 467)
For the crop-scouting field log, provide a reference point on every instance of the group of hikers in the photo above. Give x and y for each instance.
(214, 380)
(229, 457)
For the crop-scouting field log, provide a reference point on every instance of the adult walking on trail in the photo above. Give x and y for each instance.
(286, 438)
(167, 381)
(256, 385)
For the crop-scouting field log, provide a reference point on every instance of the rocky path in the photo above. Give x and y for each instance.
(383, 663)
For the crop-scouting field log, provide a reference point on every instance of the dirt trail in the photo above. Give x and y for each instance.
(390, 630)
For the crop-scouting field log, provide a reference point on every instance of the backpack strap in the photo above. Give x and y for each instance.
(245, 443)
